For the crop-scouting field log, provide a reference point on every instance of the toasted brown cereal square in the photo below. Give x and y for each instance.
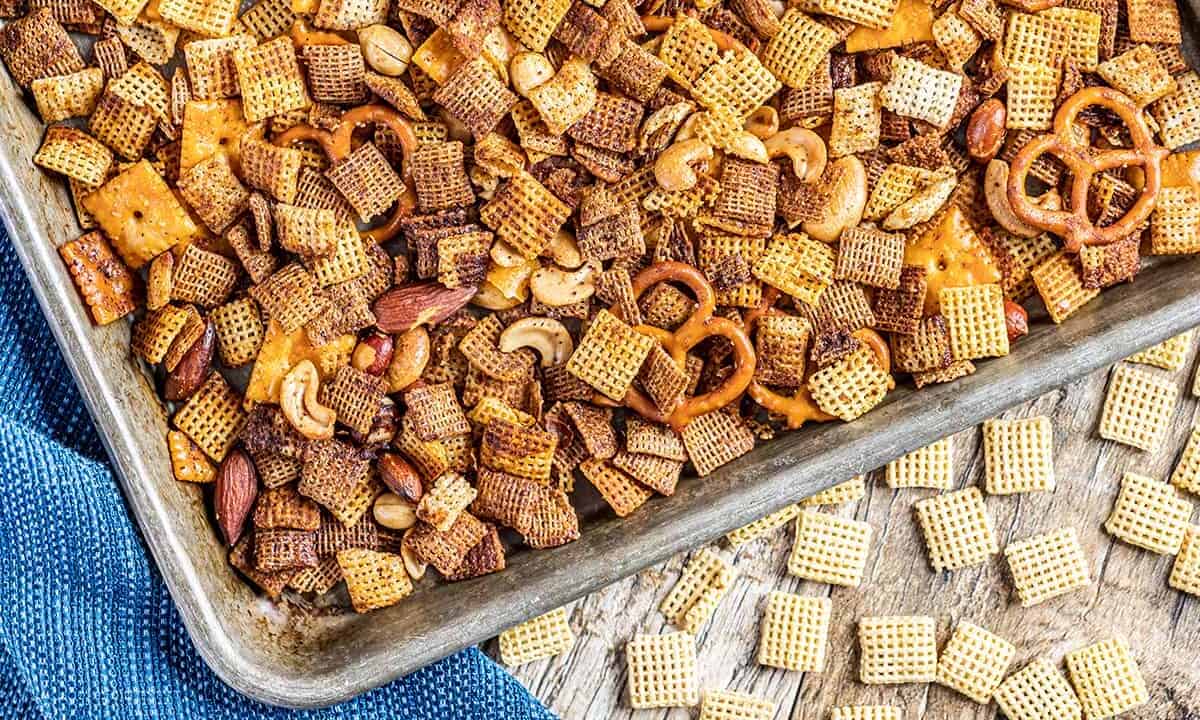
(307, 232)
(214, 192)
(958, 531)
(649, 438)
(662, 379)
(657, 473)
(335, 73)
(155, 331)
(830, 549)
(611, 123)
(870, 257)
(794, 53)
(897, 649)
(953, 371)
(1046, 566)
(522, 451)
(107, 285)
(480, 346)
(355, 396)
(1017, 257)
(343, 310)
(748, 193)
(542, 515)
(1148, 514)
(273, 583)
(524, 214)
(1153, 21)
(714, 439)
(436, 412)
(476, 97)
(976, 321)
(1175, 222)
(780, 342)
(210, 66)
(541, 637)
(271, 168)
(60, 97)
(974, 662)
(124, 126)
(332, 472)
(36, 46)
(1138, 407)
(636, 72)
(290, 297)
(440, 176)
(347, 261)
(367, 181)
(283, 549)
(595, 428)
(727, 261)
(463, 258)
(1178, 114)
(622, 493)
(813, 99)
(203, 277)
(899, 310)
(140, 214)
(532, 22)
(472, 23)
(928, 467)
(212, 417)
(441, 504)
(1106, 678)
(75, 154)
(270, 79)
(374, 579)
(662, 670)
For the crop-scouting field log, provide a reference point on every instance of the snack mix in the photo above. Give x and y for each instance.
(406, 272)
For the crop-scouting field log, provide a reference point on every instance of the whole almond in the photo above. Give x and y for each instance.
(986, 130)
(193, 368)
(425, 303)
(234, 494)
(400, 477)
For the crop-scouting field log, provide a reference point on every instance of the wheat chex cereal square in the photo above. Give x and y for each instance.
(1038, 691)
(706, 573)
(1175, 222)
(622, 493)
(916, 90)
(37, 46)
(1148, 514)
(730, 705)
(974, 662)
(899, 310)
(857, 118)
(1018, 455)
(1106, 678)
(1153, 21)
(795, 632)
(975, 318)
(1185, 572)
(928, 467)
(1046, 566)
(662, 671)
(830, 549)
(866, 712)
(1138, 407)
(870, 257)
(609, 355)
(540, 637)
(958, 531)
(844, 492)
(714, 439)
(1186, 475)
(762, 526)
(897, 649)
(1170, 354)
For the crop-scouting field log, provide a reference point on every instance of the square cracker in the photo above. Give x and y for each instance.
(1138, 407)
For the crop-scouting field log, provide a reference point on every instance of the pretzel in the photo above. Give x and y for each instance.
(800, 408)
(1074, 226)
(700, 325)
(661, 23)
(1032, 6)
(337, 145)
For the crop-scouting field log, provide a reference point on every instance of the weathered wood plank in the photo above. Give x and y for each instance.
(1129, 595)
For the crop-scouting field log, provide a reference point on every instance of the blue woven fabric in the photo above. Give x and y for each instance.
(87, 629)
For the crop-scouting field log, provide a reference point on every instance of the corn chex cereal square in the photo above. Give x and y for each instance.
(609, 355)
(851, 386)
(704, 580)
(1059, 280)
(1106, 678)
(897, 649)
(801, 44)
(919, 91)
(849, 491)
(1178, 114)
(662, 671)
(830, 549)
(1018, 455)
(974, 662)
(866, 712)
(975, 318)
(270, 79)
(1148, 514)
(540, 637)
(958, 531)
(762, 526)
(1046, 566)
(1175, 222)
(1186, 475)
(1185, 573)
(797, 265)
(795, 632)
(1170, 354)
(1138, 407)
(927, 467)
(1038, 692)
(730, 705)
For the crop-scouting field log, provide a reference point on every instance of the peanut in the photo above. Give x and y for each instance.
(986, 130)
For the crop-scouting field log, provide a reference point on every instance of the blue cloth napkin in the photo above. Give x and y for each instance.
(87, 628)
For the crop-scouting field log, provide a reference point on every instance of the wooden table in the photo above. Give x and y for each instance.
(1129, 595)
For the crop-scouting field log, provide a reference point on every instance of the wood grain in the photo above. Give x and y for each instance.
(1129, 595)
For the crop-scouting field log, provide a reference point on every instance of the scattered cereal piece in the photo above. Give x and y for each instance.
(662, 671)
(1185, 572)
(1038, 691)
(974, 662)
(1106, 678)
(795, 632)
(830, 549)
(958, 531)
(1138, 407)
(897, 649)
(1148, 514)
(929, 467)
(730, 705)
(540, 637)
(1046, 566)
(1018, 455)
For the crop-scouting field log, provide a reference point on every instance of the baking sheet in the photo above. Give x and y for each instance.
(297, 657)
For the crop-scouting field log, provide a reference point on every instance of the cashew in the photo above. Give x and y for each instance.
(386, 50)
(410, 355)
(804, 147)
(298, 398)
(505, 287)
(995, 192)
(662, 125)
(673, 169)
(504, 255)
(556, 287)
(414, 566)
(763, 122)
(546, 335)
(564, 250)
(489, 297)
(529, 70)
(746, 145)
(847, 200)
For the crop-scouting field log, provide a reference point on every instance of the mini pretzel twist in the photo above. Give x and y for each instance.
(337, 144)
(700, 325)
(1073, 225)
(800, 407)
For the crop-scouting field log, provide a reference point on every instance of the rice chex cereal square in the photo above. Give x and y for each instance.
(1148, 514)
(1018, 455)
(974, 662)
(662, 671)
(1106, 678)
(730, 705)
(1138, 407)
(928, 467)
(795, 632)
(1046, 566)
(540, 637)
(1038, 691)
(1185, 573)
(958, 531)
(830, 549)
(897, 649)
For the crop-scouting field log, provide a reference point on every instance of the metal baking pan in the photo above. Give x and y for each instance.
(287, 656)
